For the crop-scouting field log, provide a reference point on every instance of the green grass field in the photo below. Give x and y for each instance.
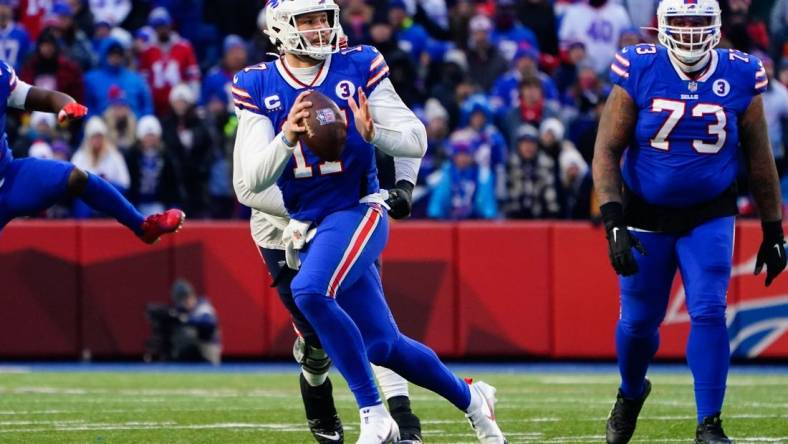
(561, 407)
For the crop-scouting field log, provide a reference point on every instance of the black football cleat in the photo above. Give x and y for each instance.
(710, 431)
(327, 430)
(321, 414)
(624, 417)
(409, 424)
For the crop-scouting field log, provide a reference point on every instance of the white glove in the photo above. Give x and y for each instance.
(295, 236)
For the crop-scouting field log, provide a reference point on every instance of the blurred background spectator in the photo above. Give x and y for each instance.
(154, 185)
(187, 330)
(466, 188)
(99, 156)
(518, 84)
(14, 39)
(111, 75)
(187, 137)
(532, 180)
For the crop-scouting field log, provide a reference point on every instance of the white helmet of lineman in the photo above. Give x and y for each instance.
(282, 29)
(689, 43)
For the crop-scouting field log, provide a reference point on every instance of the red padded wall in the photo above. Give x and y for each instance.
(503, 273)
(39, 272)
(119, 276)
(420, 281)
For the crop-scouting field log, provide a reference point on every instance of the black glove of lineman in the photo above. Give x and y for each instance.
(619, 241)
(772, 251)
(400, 200)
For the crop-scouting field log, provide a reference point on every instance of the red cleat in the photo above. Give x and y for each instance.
(156, 225)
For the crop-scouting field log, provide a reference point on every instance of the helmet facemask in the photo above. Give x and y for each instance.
(317, 42)
(690, 32)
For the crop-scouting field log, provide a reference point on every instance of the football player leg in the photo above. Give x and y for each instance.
(386, 346)
(346, 241)
(102, 196)
(706, 278)
(395, 390)
(33, 185)
(644, 299)
(316, 387)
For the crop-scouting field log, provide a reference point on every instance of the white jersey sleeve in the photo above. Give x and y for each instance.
(398, 132)
(262, 153)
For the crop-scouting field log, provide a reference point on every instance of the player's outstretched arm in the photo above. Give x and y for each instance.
(615, 127)
(765, 188)
(49, 101)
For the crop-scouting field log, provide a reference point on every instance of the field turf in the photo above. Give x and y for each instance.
(250, 406)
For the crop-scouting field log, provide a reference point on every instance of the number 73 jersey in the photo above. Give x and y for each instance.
(685, 147)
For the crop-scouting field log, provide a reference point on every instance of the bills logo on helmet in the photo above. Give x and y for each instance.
(273, 3)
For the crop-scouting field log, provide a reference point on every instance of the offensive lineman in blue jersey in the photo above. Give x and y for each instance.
(683, 111)
(29, 185)
(335, 208)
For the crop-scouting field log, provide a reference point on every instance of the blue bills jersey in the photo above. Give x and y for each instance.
(311, 188)
(8, 83)
(685, 147)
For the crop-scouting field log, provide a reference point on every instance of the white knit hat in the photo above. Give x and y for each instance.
(38, 117)
(182, 92)
(434, 110)
(95, 126)
(148, 125)
(552, 125)
(40, 150)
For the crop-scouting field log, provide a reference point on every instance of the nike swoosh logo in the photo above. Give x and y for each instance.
(615, 232)
(333, 437)
(777, 246)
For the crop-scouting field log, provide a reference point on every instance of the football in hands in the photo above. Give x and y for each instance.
(326, 127)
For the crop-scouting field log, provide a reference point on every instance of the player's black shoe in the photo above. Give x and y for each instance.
(710, 431)
(409, 424)
(327, 430)
(321, 414)
(624, 417)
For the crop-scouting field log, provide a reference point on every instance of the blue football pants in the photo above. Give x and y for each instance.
(704, 258)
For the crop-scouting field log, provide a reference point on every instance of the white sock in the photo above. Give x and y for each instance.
(476, 401)
(313, 379)
(375, 410)
(390, 383)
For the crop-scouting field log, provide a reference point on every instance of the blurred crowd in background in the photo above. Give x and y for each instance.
(510, 92)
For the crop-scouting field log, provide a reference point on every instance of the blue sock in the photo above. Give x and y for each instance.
(342, 341)
(635, 350)
(708, 356)
(420, 365)
(102, 196)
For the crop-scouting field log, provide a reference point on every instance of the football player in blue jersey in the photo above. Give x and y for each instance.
(338, 226)
(29, 186)
(682, 115)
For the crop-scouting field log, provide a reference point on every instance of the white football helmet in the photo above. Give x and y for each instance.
(689, 43)
(281, 27)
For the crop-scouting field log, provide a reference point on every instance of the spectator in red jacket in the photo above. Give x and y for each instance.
(169, 60)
